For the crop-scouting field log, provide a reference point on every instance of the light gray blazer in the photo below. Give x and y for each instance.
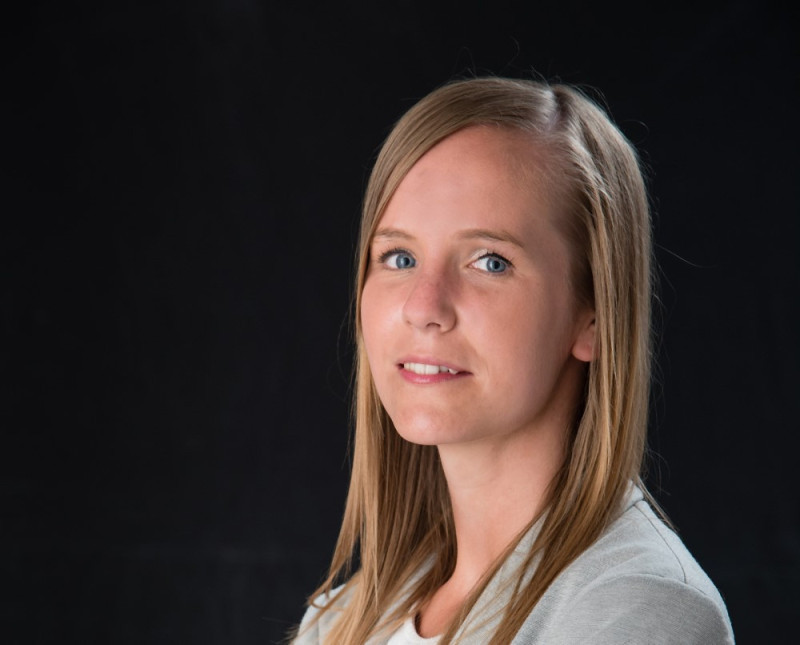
(637, 584)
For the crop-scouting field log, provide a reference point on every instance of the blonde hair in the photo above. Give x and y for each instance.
(398, 520)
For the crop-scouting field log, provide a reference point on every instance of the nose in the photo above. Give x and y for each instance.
(430, 302)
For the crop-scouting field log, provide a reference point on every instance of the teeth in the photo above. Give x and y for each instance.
(423, 368)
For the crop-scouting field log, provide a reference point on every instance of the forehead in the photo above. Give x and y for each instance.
(481, 176)
(515, 152)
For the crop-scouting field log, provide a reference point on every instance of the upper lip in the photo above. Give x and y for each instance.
(431, 360)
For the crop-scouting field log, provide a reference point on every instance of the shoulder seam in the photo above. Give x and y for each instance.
(658, 530)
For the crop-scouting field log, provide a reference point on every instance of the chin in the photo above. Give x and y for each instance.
(424, 432)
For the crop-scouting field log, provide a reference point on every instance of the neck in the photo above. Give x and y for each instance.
(496, 490)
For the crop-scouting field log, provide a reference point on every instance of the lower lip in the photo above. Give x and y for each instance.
(429, 379)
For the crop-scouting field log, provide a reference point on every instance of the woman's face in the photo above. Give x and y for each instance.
(469, 320)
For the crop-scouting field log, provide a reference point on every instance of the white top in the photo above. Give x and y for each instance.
(636, 584)
(407, 635)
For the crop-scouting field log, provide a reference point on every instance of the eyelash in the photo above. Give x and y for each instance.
(387, 254)
(492, 254)
(383, 257)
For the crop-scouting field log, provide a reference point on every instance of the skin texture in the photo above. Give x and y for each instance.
(469, 270)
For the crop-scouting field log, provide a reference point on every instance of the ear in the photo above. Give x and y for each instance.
(583, 348)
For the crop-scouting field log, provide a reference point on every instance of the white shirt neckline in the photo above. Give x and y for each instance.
(407, 634)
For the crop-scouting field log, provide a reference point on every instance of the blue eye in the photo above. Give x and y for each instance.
(397, 259)
(492, 263)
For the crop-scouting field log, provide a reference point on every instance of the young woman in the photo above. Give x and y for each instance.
(503, 366)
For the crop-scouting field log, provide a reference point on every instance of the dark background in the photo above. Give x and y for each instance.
(182, 183)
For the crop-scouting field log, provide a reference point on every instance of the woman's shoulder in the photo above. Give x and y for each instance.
(313, 629)
(637, 581)
(640, 543)
(323, 612)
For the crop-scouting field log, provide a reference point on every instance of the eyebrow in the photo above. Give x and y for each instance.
(392, 234)
(490, 234)
(468, 234)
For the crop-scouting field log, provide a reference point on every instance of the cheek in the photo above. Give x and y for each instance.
(529, 337)
(366, 316)
(521, 345)
(373, 318)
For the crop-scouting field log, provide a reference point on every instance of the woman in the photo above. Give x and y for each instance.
(503, 333)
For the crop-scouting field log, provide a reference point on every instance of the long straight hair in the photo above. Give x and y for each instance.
(398, 522)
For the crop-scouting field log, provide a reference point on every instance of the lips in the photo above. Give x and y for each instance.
(428, 370)
(425, 369)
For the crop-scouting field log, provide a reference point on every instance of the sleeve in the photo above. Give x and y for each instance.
(639, 609)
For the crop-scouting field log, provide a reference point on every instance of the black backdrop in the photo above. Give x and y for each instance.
(181, 190)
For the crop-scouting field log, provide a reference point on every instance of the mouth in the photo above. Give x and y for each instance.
(425, 369)
(429, 370)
